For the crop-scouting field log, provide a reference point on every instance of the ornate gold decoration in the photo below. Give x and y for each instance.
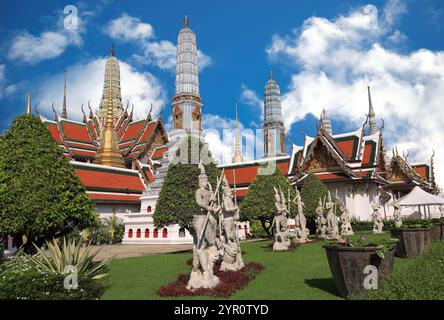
(28, 106)
(108, 153)
(321, 161)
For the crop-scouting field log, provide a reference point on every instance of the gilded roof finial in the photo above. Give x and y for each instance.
(28, 107)
(64, 111)
(185, 21)
(109, 153)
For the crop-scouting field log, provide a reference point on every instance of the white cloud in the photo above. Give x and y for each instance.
(160, 53)
(127, 28)
(220, 135)
(29, 48)
(337, 59)
(251, 98)
(85, 82)
(32, 49)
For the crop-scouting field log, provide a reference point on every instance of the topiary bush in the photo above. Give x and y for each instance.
(41, 197)
(312, 189)
(259, 202)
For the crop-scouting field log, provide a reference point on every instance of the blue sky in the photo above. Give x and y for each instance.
(323, 54)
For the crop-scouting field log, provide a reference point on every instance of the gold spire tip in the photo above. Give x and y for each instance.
(185, 21)
(28, 106)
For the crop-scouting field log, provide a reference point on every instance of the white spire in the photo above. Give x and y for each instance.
(186, 102)
(237, 151)
(371, 114)
(187, 74)
(326, 122)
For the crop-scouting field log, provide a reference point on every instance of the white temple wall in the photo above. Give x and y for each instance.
(357, 198)
(106, 210)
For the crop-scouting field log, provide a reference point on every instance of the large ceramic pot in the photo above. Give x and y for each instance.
(438, 232)
(347, 266)
(412, 242)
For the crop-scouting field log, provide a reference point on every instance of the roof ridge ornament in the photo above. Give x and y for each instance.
(185, 21)
(35, 108)
(84, 115)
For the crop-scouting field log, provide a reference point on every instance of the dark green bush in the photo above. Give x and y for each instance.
(19, 281)
(423, 279)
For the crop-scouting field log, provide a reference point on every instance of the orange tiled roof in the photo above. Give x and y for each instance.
(423, 170)
(133, 131)
(369, 154)
(158, 152)
(148, 131)
(105, 178)
(54, 131)
(75, 131)
(245, 173)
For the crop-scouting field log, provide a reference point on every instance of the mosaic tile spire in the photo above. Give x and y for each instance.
(187, 103)
(274, 130)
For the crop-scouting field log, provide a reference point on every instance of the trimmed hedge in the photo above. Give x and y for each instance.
(423, 279)
(358, 225)
(20, 281)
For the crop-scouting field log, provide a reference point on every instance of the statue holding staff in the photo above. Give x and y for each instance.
(206, 245)
(279, 224)
(232, 259)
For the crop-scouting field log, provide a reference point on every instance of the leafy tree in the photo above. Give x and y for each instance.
(176, 203)
(259, 202)
(40, 195)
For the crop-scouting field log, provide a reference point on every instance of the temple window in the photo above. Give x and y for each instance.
(130, 233)
(147, 233)
(181, 233)
(138, 233)
(164, 233)
(155, 233)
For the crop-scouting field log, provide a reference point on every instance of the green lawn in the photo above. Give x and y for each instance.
(299, 274)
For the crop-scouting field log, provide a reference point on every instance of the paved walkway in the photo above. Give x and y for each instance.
(119, 251)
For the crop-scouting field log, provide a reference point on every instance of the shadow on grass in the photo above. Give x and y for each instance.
(325, 284)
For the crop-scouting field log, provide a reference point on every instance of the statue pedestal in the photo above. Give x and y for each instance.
(281, 245)
(199, 279)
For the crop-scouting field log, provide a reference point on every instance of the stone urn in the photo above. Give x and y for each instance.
(412, 241)
(348, 264)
